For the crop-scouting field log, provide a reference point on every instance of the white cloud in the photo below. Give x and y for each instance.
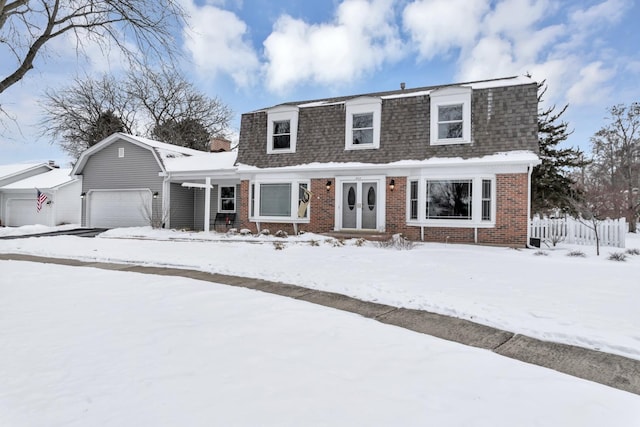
(591, 87)
(436, 26)
(608, 12)
(361, 38)
(217, 43)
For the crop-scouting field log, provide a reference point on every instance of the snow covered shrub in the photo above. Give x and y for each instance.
(314, 243)
(232, 231)
(360, 242)
(633, 251)
(617, 256)
(336, 243)
(278, 246)
(265, 232)
(281, 233)
(541, 253)
(578, 254)
(245, 232)
(397, 241)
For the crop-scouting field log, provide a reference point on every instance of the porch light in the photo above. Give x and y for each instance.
(155, 194)
(83, 195)
(328, 185)
(392, 184)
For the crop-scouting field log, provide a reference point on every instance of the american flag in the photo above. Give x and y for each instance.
(41, 199)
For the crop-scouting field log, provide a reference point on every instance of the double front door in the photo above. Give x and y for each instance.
(360, 205)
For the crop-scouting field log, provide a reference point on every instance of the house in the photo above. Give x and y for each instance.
(62, 204)
(445, 163)
(130, 181)
(16, 172)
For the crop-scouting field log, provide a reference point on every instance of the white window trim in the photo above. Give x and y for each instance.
(476, 203)
(363, 105)
(285, 112)
(295, 183)
(451, 96)
(120, 152)
(235, 198)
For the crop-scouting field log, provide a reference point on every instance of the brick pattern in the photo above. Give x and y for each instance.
(503, 119)
(511, 213)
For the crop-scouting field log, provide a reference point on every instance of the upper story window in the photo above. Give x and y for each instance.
(451, 116)
(282, 129)
(362, 127)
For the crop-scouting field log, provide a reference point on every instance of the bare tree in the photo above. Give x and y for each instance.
(161, 105)
(616, 162)
(74, 114)
(131, 26)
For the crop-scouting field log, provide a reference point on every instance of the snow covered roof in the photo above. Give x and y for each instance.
(7, 171)
(168, 150)
(420, 91)
(224, 161)
(47, 180)
(510, 157)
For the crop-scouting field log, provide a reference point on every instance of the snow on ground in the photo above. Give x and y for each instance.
(587, 301)
(33, 229)
(89, 347)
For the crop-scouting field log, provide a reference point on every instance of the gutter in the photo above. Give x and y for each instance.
(529, 172)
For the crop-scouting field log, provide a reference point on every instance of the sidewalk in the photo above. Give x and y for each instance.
(604, 368)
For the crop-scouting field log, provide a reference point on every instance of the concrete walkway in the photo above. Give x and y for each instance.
(604, 368)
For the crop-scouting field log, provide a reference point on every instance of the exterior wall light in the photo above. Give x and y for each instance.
(328, 185)
(392, 184)
(155, 194)
(83, 195)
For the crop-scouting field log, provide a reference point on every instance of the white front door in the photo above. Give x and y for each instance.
(360, 205)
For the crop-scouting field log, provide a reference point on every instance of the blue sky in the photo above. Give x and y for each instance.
(257, 53)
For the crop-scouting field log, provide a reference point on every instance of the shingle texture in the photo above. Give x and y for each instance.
(502, 119)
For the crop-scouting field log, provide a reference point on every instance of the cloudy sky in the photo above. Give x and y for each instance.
(257, 53)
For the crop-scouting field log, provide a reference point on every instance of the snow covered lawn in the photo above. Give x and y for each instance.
(89, 347)
(587, 301)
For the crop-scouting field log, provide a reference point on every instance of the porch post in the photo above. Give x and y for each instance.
(207, 203)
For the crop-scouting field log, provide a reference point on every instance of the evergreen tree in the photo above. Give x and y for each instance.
(551, 185)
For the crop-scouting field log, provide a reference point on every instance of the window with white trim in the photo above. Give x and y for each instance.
(362, 124)
(413, 200)
(450, 116)
(227, 198)
(280, 201)
(486, 200)
(282, 129)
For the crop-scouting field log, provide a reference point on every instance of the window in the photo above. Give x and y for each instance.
(451, 116)
(449, 199)
(227, 196)
(450, 121)
(486, 200)
(282, 135)
(275, 200)
(362, 130)
(282, 129)
(288, 201)
(362, 124)
(413, 200)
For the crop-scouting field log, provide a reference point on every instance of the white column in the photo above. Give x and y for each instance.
(207, 203)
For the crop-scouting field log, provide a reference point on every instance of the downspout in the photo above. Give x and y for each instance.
(529, 172)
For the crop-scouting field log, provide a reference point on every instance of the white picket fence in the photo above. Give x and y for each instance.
(570, 230)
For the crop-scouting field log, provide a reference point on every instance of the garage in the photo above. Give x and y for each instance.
(23, 212)
(119, 208)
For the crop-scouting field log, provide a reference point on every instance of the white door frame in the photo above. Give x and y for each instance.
(381, 201)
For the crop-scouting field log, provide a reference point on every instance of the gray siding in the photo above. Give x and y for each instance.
(502, 119)
(182, 204)
(104, 170)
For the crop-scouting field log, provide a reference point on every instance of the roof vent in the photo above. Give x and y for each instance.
(402, 86)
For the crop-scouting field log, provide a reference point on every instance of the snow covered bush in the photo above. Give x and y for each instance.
(397, 241)
(265, 232)
(245, 232)
(576, 253)
(278, 246)
(633, 251)
(281, 233)
(617, 256)
(541, 253)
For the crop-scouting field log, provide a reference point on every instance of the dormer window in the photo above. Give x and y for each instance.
(451, 116)
(362, 127)
(282, 129)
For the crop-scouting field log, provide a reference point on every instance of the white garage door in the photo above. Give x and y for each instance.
(119, 208)
(23, 212)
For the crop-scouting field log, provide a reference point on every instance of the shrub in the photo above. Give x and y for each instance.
(360, 242)
(617, 256)
(633, 251)
(541, 253)
(245, 232)
(281, 233)
(278, 246)
(397, 241)
(314, 243)
(265, 232)
(578, 254)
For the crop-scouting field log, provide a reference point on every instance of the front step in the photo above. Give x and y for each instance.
(365, 234)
